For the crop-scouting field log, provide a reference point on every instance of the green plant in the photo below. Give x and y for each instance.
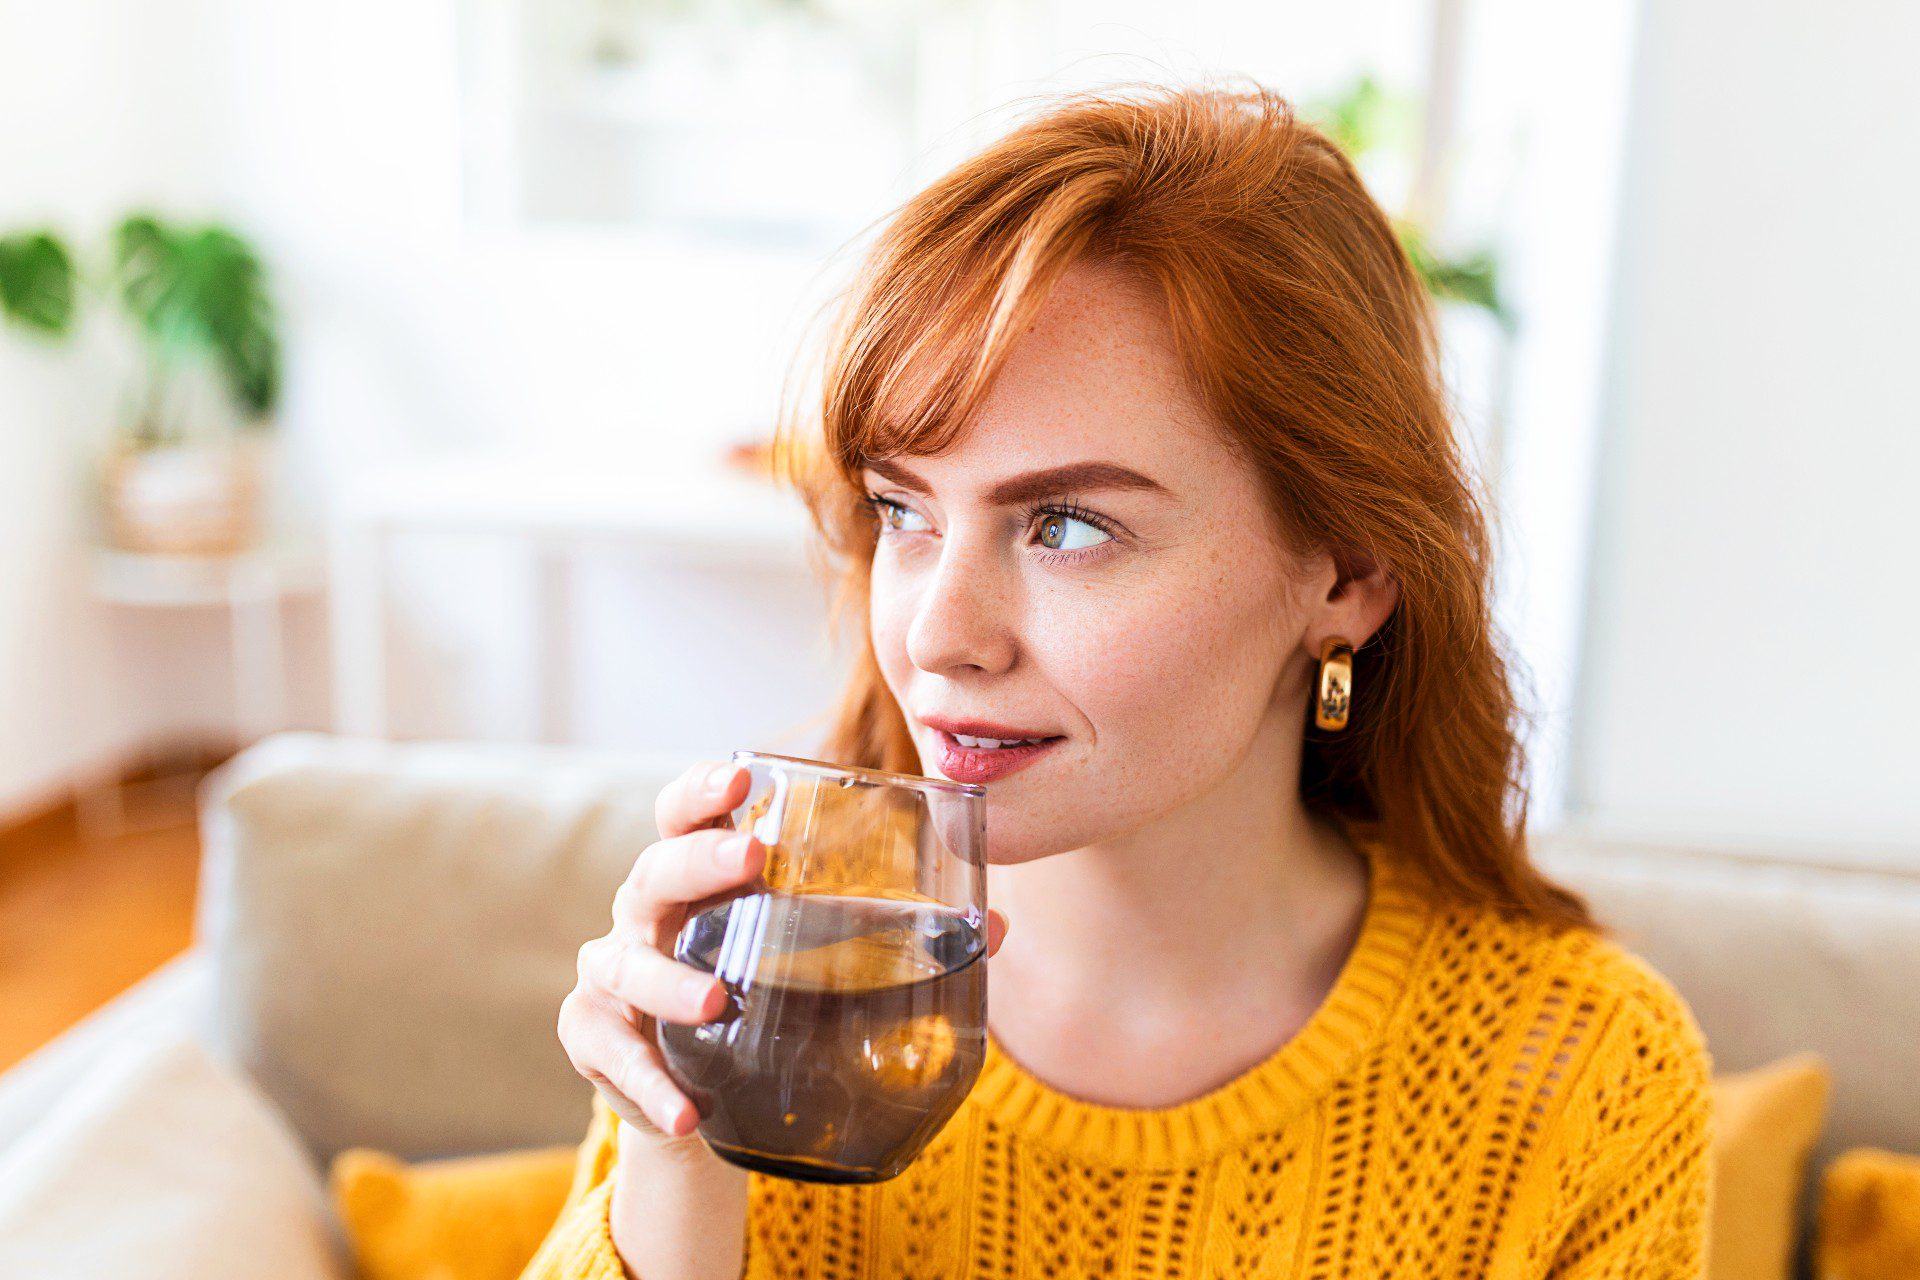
(196, 296)
(37, 282)
(1365, 119)
(1472, 278)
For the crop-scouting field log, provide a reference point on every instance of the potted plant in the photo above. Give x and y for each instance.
(183, 473)
(183, 476)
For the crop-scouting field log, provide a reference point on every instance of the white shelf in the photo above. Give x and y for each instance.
(166, 581)
(692, 509)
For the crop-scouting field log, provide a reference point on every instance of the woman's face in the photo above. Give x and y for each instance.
(1142, 615)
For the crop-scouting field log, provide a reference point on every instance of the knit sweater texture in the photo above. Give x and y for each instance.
(1477, 1096)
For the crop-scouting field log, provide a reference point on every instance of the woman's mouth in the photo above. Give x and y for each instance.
(965, 757)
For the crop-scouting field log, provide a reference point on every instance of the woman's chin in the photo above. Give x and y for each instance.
(1011, 841)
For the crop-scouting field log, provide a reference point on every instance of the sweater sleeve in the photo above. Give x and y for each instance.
(580, 1244)
(1646, 1125)
(1651, 1223)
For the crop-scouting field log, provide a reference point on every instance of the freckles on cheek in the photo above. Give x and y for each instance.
(1173, 678)
(1130, 659)
(887, 631)
(893, 608)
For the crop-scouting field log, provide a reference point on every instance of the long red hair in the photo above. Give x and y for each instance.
(1306, 331)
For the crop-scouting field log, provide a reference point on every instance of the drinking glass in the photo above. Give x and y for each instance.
(855, 969)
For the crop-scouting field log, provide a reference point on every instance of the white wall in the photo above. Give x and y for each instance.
(1750, 673)
(101, 111)
(421, 337)
(1561, 73)
(330, 135)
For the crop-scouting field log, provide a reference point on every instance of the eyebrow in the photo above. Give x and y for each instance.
(1031, 486)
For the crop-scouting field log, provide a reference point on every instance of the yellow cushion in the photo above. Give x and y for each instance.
(479, 1218)
(1869, 1222)
(1765, 1124)
(484, 1217)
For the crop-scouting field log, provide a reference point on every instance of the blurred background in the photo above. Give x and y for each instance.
(404, 371)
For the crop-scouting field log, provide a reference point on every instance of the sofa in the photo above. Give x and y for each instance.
(385, 932)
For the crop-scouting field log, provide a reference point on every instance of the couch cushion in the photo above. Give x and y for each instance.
(469, 1218)
(167, 1003)
(1870, 1216)
(393, 928)
(160, 1162)
(1765, 1121)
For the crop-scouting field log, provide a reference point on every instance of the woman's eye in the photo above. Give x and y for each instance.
(1065, 533)
(898, 518)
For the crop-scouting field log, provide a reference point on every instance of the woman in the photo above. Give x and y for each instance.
(1137, 452)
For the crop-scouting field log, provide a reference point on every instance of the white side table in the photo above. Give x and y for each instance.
(252, 587)
(704, 515)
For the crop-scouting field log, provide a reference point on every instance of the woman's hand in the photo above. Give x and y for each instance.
(679, 1211)
(628, 979)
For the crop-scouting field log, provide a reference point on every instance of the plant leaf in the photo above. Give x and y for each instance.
(1364, 117)
(37, 282)
(201, 294)
(1473, 279)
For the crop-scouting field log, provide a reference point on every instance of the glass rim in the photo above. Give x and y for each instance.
(876, 777)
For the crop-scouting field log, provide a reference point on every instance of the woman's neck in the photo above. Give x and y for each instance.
(1205, 938)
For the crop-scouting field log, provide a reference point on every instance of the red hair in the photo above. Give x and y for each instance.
(1306, 331)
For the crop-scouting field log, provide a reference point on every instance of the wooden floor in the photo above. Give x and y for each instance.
(81, 920)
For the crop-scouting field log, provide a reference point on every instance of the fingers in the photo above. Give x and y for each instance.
(996, 931)
(703, 793)
(672, 873)
(624, 1067)
(637, 977)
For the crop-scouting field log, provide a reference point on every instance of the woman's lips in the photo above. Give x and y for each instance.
(986, 764)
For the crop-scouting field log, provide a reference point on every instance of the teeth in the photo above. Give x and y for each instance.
(992, 744)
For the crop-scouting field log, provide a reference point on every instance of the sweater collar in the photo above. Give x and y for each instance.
(1262, 1099)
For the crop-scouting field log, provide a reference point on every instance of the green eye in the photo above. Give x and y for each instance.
(898, 518)
(1066, 533)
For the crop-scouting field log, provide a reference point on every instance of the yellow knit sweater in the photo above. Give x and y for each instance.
(1475, 1097)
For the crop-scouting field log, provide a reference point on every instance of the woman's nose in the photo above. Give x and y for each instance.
(964, 614)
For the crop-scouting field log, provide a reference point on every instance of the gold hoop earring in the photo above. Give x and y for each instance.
(1333, 697)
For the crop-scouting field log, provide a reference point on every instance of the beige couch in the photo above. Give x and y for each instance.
(386, 932)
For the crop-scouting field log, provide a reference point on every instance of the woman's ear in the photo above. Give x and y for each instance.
(1363, 596)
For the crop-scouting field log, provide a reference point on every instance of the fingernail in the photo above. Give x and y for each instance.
(734, 852)
(720, 777)
(695, 990)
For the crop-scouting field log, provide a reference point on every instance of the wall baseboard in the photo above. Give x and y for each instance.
(55, 814)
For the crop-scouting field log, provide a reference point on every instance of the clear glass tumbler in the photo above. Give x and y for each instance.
(855, 969)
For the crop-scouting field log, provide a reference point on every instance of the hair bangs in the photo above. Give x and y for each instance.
(931, 326)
